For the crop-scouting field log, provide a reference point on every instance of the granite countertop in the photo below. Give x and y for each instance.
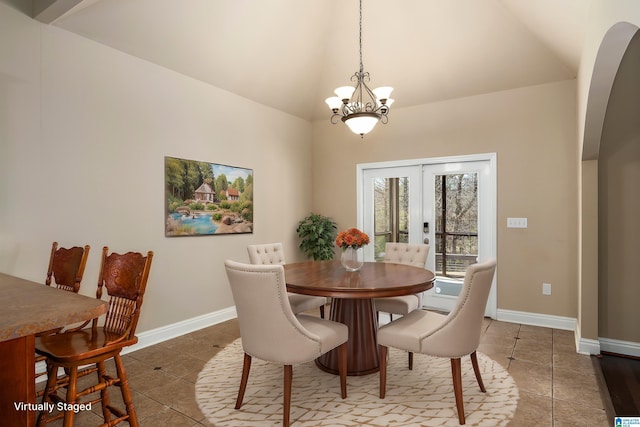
(27, 307)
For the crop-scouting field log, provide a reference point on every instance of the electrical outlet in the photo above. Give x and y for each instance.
(516, 222)
(546, 289)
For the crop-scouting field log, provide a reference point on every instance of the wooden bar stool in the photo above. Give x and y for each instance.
(66, 268)
(125, 278)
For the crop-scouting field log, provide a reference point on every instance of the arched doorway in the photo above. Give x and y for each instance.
(611, 170)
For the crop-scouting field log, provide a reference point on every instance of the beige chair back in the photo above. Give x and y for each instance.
(269, 253)
(405, 253)
(268, 328)
(459, 334)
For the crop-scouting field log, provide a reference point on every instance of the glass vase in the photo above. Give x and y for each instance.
(352, 259)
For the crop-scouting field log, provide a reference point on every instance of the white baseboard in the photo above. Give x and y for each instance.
(583, 345)
(628, 348)
(174, 330)
(587, 346)
(549, 321)
(164, 333)
(536, 319)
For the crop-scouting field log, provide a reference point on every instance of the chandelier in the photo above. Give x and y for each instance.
(359, 107)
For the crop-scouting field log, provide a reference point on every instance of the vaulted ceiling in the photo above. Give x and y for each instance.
(291, 54)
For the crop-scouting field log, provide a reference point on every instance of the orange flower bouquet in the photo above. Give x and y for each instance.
(352, 238)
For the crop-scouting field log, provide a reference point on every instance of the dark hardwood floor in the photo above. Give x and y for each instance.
(622, 377)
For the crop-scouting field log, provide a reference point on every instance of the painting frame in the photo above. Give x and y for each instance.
(206, 199)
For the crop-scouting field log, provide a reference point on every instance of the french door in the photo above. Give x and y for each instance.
(448, 203)
(393, 207)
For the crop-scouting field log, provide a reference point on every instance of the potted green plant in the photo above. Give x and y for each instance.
(317, 235)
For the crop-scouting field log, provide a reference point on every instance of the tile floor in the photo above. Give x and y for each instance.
(558, 387)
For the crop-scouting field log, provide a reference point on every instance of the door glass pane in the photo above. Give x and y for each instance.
(456, 223)
(381, 215)
(403, 210)
(391, 212)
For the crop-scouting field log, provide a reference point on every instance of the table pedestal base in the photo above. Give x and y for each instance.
(362, 348)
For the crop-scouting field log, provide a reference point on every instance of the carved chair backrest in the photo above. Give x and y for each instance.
(66, 267)
(125, 279)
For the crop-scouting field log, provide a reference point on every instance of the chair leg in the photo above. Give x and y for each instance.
(382, 353)
(104, 395)
(125, 391)
(456, 373)
(476, 370)
(52, 375)
(246, 367)
(410, 360)
(342, 369)
(71, 396)
(288, 379)
(322, 311)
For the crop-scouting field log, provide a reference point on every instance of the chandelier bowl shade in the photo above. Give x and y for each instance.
(361, 123)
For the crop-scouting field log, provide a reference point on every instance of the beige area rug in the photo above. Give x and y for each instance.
(421, 397)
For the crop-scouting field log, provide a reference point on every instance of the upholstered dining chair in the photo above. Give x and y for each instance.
(451, 336)
(409, 254)
(65, 271)
(270, 331)
(125, 279)
(272, 253)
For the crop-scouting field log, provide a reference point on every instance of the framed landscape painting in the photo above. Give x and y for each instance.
(205, 199)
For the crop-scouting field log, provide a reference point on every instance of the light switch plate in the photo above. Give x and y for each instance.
(516, 222)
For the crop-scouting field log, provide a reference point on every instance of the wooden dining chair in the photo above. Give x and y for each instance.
(66, 267)
(270, 331)
(408, 254)
(450, 336)
(125, 279)
(65, 271)
(273, 254)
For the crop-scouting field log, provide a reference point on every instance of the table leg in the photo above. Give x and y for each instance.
(362, 348)
(17, 376)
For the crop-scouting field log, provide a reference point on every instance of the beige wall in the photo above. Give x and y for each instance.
(588, 289)
(83, 134)
(532, 130)
(619, 178)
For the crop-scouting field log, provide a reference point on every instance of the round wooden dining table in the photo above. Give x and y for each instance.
(352, 296)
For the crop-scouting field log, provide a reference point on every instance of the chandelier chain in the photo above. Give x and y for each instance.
(360, 39)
